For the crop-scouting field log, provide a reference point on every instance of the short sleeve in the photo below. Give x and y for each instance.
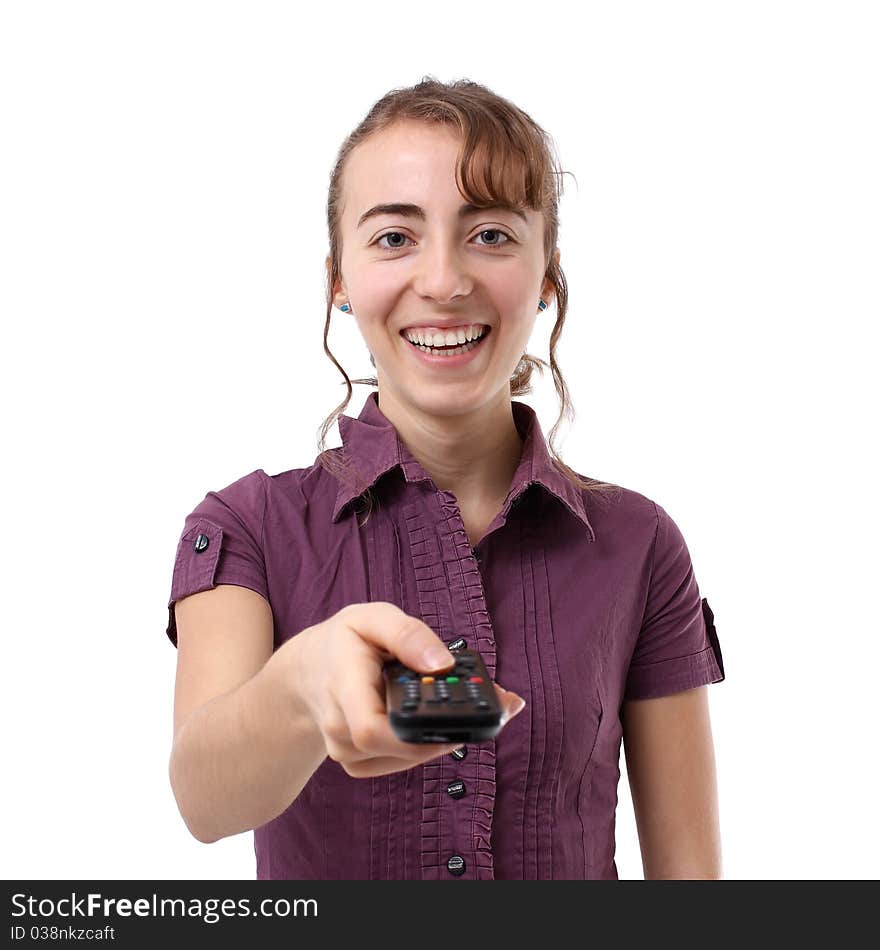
(677, 646)
(222, 543)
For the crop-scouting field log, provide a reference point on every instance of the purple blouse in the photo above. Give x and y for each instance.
(574, 603)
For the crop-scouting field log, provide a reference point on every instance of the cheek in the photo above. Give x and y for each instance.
(512, 298)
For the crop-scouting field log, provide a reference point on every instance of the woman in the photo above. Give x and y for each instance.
(579, 596)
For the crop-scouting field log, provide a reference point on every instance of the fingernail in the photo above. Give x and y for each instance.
(519, 707)
(437, 656)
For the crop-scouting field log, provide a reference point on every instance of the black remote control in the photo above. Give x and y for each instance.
(460, 705)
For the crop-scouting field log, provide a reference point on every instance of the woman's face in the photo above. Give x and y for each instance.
(446, 269)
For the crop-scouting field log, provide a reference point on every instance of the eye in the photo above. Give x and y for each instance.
(498, 231)
(399, 234)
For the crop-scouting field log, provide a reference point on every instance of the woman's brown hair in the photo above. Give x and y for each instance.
(505, 156)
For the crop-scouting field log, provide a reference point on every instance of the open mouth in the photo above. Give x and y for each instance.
(456, 349)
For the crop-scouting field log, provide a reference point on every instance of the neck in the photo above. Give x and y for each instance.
(473, 454)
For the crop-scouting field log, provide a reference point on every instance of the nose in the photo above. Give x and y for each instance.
(442, 274)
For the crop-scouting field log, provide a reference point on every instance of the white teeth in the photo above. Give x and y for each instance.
(449, 338)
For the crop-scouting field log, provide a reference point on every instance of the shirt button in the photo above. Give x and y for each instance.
(456, 865)
(456, 789)
(459, 754)
(458, 644)
(200, 543)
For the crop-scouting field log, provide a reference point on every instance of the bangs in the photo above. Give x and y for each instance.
(495, 166)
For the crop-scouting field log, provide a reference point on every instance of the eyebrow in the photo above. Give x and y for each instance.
(414, 211)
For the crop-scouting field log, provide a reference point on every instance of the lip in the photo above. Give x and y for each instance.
(449, 361)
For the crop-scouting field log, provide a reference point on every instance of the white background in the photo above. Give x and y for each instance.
(164, 178)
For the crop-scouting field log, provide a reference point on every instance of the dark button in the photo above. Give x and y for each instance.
(456, 865)
(459, 754)
(458, 644)
(456, 789)
(477, 556)
(200, 543)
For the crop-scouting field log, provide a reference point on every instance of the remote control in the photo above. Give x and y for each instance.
(460, 705)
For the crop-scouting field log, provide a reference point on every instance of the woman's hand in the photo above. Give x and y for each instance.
(335, 672)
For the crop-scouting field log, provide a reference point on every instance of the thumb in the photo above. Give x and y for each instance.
(431, 655)
(390, 630)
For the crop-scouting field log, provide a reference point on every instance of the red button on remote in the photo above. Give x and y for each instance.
(476, 679)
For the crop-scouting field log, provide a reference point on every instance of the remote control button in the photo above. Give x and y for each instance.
(476, 679)
(456, 865)
(408, 705)
(404, 679)
(427, 679)
(482, 704)
(451, 679)
(456, 701)
(458, 754)
(456, 789)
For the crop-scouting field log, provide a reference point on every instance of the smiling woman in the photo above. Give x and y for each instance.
(490, 259)
(579, 596)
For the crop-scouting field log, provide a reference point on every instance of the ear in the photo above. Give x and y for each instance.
(337, 292)
(548, 291)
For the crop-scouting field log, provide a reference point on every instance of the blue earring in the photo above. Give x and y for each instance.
(541, 304)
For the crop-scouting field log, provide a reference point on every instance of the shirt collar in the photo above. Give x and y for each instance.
(374, 447)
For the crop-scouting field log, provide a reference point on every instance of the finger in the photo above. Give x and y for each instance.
(386, 627)
(511, 703)
(343, 750)
(513, 707)
(364, 705)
